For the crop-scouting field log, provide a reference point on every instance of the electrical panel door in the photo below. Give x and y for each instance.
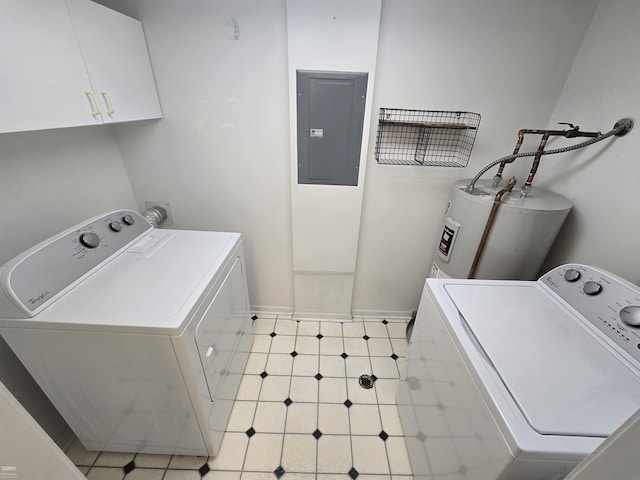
(330, 120)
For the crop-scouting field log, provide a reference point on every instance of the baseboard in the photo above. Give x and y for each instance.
(388, 314)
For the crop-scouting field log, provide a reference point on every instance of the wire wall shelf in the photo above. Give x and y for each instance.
(425, 137)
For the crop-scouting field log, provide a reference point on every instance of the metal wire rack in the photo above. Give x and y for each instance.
(425, 137)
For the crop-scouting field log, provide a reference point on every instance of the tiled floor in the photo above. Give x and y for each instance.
(300, 413)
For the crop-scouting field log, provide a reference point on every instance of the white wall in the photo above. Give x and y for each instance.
(508, 61)
(220, 156)
(335, 35)
(603, 180)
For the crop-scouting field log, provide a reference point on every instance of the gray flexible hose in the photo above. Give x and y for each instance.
(619, 129)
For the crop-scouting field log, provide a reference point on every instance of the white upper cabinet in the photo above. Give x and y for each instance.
(42, 75)
(71, 63)
(115, 54)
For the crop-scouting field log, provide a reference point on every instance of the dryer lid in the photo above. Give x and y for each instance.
(563, 380)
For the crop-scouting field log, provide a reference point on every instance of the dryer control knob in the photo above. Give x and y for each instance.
(128, 219)
(592, 288)
(115, 226)
(90, 240)
(631, 315)
(572, 275)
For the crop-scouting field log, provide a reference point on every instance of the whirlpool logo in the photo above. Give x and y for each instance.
(39, 298)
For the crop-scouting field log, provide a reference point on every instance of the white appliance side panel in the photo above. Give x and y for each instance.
(223, 323)
(118, 392)
(560, 375)
(448, 428)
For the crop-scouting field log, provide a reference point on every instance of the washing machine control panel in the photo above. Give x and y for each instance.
(38, 276)
(607, 302)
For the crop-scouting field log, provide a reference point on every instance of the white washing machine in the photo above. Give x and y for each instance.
(138, 336)
(519, 379)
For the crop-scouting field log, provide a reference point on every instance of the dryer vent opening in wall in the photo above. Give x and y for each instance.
(330, 119)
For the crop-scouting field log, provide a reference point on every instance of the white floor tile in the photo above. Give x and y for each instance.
(145, 474)
(369, 455)
(331, 346)
(181, 475)
(384, 367)
(356, 346)
(304, 389)
(279, 364)
(299, 453)
(357, 366)
(113, 459)
(241, 417)
(355, 329)
(364, 420)
(306, 365)
(263, 452)
(380, 347)
(400, 346)
(232, 452)
(105, 473)
(334, 454)
(286, 327)
(187, 461)
(307, 346)
(256, 363)
(283, 344)
(398, 458)
(217, 475)
(263, 325)
(376, 329)
(397, 330)
(80, 455)
(275, 388)
(391, 420)
(261, 343)
(249, 387)
(270, 417)
(386, 391)
(147, 460)
(308, 328)
(302, 418)
(332, 366)
(332, 390)
(333, 418)
(331, 329)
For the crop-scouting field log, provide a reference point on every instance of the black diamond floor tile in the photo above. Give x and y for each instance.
(383, 435)
(385, 321)
(318, 376)
(353, 473)
(294, 354)
(251, 432)
(344, 355)
(317, 434)
(264, 374)
(348, 403)
(279, 472)
(288, 402)
(129, 467)
(204, 469)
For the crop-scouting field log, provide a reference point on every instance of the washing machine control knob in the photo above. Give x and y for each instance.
(631, 315)
(572, 275)
(128, 219)
(592, 288)
(90, 240)
(115, 226)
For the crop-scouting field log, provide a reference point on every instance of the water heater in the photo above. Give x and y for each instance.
(519, 237)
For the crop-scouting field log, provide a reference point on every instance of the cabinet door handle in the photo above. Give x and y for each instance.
(95, 110)
(109, 102)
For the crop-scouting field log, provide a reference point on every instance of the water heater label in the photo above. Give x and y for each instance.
(448, 238)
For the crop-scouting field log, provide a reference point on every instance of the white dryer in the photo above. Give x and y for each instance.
(138, 336)
(519, 380)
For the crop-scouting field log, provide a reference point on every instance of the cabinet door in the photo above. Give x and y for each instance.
(43, 79)
(115, 53)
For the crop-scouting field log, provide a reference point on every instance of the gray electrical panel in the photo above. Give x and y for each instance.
(330, 120)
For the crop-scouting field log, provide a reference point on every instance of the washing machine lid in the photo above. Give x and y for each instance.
(152, 286)
(562, 379)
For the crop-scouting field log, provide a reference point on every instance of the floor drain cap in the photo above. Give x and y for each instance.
(366, 381)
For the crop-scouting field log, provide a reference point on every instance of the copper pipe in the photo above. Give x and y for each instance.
(487, 228)
(536, 159)
(515, 151)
